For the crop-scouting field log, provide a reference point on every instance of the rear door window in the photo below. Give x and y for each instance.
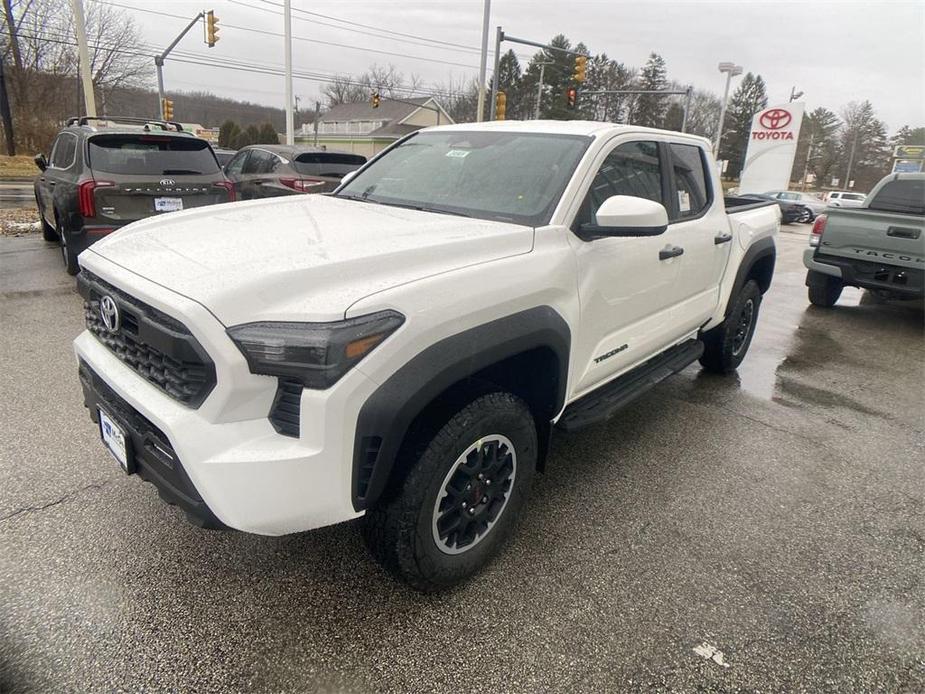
(236, 165)
(151, 155)
(332, 164)
(904, 196)
(690, 181)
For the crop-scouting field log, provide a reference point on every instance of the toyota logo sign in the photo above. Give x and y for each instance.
(775, 119)
(109, 314)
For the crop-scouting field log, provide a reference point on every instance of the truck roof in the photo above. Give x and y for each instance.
(564, 127)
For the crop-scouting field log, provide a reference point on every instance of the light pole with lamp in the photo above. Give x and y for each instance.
(731, 70)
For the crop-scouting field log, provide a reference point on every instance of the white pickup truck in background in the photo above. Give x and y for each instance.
(403, 349)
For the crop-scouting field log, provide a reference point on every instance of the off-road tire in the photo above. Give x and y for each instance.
(726, 345)
(824, 290)
(399, 529)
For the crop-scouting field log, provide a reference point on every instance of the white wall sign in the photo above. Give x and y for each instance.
(772, 146)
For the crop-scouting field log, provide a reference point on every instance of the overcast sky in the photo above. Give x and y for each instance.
(835, 52)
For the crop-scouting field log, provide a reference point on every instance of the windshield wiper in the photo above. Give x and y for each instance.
(180, 172)
(358, 198)
(424, 208)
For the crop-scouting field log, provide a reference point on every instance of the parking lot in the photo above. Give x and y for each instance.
(763, 531)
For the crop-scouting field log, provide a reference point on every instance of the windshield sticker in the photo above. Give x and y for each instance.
(458, 153)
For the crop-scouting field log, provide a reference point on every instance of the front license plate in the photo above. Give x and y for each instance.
(114, 438)
(168, 204)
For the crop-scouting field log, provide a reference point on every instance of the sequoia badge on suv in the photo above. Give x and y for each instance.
(104, 173)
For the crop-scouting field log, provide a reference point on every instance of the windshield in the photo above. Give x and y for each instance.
(151, 154)
(504, 176)
(903, 196)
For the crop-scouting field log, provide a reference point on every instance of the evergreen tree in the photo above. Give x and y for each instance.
(907, 135)
(650, 109)
(819, 128)
(864, 153)
(227, 133)
(268, 135)
(750, 97)
(509, 81)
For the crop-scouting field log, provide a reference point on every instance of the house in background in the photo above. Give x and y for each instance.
(361, 129)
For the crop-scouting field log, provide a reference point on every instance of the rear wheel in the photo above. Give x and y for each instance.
(806, 216)
(824, 290)
(726, 345)
(69, 256)
(459, 502)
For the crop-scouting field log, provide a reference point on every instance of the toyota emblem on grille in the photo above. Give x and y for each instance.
(109, 313)
(167, 181)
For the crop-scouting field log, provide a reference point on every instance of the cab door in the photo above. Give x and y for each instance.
(626, 286)
(702, 229)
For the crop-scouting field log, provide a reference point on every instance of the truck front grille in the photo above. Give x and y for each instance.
(157, 347)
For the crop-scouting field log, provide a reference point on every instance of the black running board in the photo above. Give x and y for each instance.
(603, 402)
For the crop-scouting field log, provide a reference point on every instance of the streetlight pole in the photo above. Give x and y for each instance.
(483, 62)
(731, 69)
(287, 26)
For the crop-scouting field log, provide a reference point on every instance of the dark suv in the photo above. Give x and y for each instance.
(264, 171)
(104, 173)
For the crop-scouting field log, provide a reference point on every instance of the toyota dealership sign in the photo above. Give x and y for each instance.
(772, 146)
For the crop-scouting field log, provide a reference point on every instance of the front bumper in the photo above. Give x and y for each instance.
(231, 468)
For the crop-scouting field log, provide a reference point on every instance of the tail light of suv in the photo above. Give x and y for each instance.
(228, 186)
(86, 200)
(303, 185)
(818, 227)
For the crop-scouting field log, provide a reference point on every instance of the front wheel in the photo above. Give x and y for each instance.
(726, 345)
(806, 216)
(459, 502)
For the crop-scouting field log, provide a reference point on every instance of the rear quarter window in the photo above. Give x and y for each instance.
(151, 155)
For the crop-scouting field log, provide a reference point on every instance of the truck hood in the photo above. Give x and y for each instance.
(306, 257)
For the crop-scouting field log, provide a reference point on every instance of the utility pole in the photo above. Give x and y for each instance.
(317, 118)
(11, 27)
(483, 62)
(809, 155)
(5, 113)
(84, 56)
(854, 145)
(539, 90)
(287, 24)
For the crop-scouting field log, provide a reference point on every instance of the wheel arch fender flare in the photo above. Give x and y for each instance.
(763, 252)
(386, 416)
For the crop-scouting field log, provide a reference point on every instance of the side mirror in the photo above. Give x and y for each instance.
(40, 161)
(625, 215)
(347, 176)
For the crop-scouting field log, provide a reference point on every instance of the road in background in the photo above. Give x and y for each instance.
(16, 194)
(774, 516)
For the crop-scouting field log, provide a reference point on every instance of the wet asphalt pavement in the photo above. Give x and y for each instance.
(775, 516)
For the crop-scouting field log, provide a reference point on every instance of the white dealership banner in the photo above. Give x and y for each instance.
(772, 146)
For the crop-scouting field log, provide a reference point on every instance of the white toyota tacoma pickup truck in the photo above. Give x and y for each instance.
(404, 348)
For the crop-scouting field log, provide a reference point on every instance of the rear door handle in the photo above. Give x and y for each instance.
(670, 252)
(722, 238)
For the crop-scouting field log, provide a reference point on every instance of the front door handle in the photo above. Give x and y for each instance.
(722, 238)
(670, 252)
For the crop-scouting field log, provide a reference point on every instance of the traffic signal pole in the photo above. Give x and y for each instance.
(159, 62)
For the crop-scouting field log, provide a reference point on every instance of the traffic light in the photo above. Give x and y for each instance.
(581, 68)
(211, 28)
(571, 98)
(500, 105)
(167, 108)
(374, 100)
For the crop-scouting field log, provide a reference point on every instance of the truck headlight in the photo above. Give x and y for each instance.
(317, 354)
